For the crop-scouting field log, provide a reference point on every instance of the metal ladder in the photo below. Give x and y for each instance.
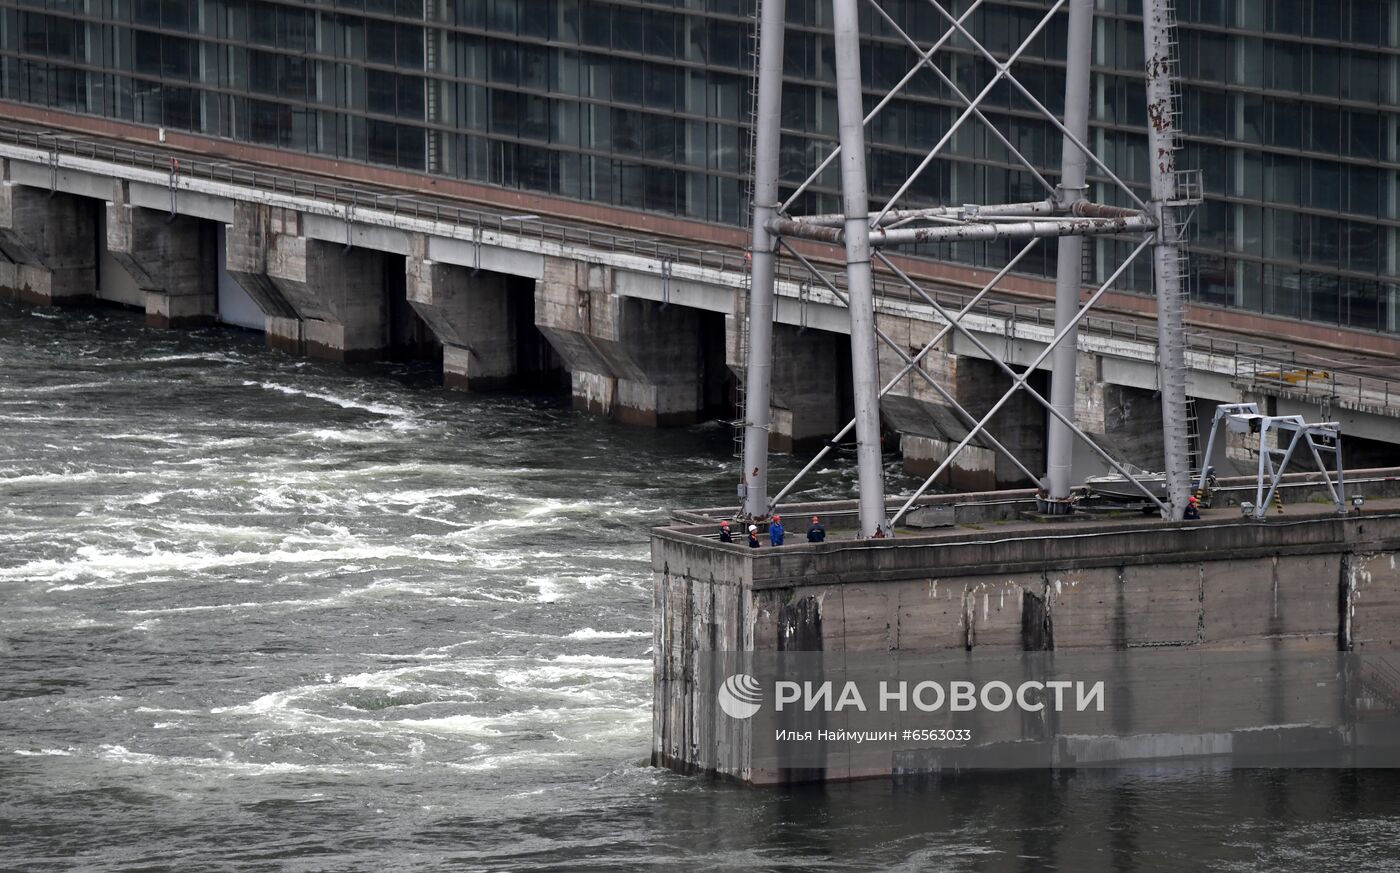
(1193, 439)
(433, 146)
(741, 407)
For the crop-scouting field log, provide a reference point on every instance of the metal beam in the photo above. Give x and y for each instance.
(1157, 26)
(865, 365)
(1003, 71)
(1069, 267)
(968, 232)
(1018, 381)
(956, 24)
(759, 366)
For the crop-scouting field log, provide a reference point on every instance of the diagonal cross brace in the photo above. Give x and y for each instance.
(915, 365)
(1018, 380)
(870, 116)
(956, 24)
(943, 392)
(1003, 72)
(925, 60)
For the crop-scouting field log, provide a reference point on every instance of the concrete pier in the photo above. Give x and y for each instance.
(638, 361)
(810, 392)
(47, 250)
(979, 585)
(170, 257)
(484, 320)
(320, 299)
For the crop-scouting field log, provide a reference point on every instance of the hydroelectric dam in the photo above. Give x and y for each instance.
(816, 333)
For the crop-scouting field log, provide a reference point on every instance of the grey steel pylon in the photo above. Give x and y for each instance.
(1066, 214)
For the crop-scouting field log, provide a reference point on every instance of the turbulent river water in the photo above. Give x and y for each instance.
(268, 614)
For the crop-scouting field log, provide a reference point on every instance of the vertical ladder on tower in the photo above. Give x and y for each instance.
(741, 411)
(1188, 192)
(1193, 438)
(433, 146)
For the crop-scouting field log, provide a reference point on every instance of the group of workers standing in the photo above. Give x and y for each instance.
(815, 532)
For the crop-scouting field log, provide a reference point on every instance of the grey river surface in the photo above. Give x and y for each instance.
(259, 613)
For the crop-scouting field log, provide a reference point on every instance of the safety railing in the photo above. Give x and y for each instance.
(1316, 383)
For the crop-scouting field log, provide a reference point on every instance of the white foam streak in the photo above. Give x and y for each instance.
(384, 409)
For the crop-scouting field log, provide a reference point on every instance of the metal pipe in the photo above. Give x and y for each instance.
(759, 366)
(1064, 364)
(1023, 210)
(865, 364)
(1166, 255)
(1047, 228)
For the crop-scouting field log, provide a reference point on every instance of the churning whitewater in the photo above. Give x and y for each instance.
(273, 614)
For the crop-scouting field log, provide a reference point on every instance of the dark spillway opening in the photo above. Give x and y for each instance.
(719, 387)
(407, 337)
(538, 366)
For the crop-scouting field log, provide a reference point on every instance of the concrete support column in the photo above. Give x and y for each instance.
(808, 391)
(319, 299)
(171, 259)
(48, 250)
(1020, 425)
(1125, 420)
(928, 427)
(634, 360)
(472, 317)
(806, 400)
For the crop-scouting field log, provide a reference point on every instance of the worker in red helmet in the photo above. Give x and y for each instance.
(1193, 509)
(775, 530)
(815, 532)
(724, 535)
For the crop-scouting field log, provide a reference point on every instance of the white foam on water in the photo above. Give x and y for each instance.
(384, 409)
(227, 763)
(589, 633)
(480, 726)
(548, 591)
(346, 437)
(554, 507)
(53, 389)
(69, 476)
(52, 753)
(194, 356)
(224, 607)
(127, 568)
(496, 762)
(172, 439)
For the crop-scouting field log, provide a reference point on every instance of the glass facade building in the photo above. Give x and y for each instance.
(1292, 110)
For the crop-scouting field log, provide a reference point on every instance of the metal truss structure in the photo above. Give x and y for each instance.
(1066, 215)
(1321, 438)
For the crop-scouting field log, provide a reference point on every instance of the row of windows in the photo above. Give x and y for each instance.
(1368, 22)
(1319, 71)
(1363, 22)
(653, 117)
